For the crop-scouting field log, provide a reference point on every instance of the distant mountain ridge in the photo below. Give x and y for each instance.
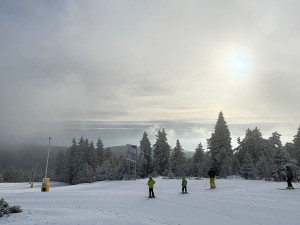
(26, 156)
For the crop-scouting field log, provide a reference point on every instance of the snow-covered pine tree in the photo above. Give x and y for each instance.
(100, 153)
(247, 170)
(122, 168)
(219, 146)
(281, 158)
(84, 174)
(70, 167)
(252, 143)
(296, 147)
(199, 161)
(265, 164)
(177, 160)
(275, 140)
(161, 153)
(91, 156)
(145, 156)
(108, 154)
(60, 168)
(108, 171)
(79, 162)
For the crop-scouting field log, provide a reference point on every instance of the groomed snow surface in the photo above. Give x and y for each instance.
(234, 202)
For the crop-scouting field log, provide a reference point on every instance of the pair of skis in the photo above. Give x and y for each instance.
(289, 188)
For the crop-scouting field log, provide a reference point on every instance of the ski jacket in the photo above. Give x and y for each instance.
(151, 183)
(211, 174)
(289, 174)
(184, 182)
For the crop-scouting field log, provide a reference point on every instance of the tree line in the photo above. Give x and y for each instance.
(254, 158)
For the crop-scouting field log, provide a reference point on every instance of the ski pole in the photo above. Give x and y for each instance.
(205, 183)
(296, 184)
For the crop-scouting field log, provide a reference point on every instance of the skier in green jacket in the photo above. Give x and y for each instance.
(151, 183)
(184, 184)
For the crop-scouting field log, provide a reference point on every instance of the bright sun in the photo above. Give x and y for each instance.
(239, 64)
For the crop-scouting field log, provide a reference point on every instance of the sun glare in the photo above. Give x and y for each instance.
(239, 64)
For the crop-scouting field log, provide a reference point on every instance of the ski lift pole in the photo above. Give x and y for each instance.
(47, 158)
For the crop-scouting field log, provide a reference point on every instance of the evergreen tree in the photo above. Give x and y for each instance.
(108, 171)
(70, 167)
(220, 148)
(60, 168)
(100, 152)
(79, 162)
(91, 156)
(108, 154)
(199, 162)
(84, 174)
(252, 144)
(265, 164)
(247, 168)
(275, 140)
(296, 147)
(281, 158)
(161, 153)
(177, 161)
(145, 157)
(289, 147)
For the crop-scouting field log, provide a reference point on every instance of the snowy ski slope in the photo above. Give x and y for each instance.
(234, 202)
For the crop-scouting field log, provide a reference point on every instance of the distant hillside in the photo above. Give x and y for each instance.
(26, 156)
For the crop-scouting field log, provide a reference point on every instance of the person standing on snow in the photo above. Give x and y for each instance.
(289, 177)
(184, 184)
(151, 183)
(212, 174)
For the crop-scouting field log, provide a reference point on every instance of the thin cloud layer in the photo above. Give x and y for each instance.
(171, 62)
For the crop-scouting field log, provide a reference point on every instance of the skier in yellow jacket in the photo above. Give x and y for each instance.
(151, 183)
(212, 174)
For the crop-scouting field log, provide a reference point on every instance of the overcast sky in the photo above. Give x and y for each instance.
(113, 69)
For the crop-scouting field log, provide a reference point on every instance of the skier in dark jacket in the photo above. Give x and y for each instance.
(184, 184)
(212, 174)
(289, 177)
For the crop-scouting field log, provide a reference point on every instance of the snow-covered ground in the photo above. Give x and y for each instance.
(237, 201)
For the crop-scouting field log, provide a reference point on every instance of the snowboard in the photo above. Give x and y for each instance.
(183, 193)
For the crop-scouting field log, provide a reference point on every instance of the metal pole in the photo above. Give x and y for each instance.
(47, 158)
